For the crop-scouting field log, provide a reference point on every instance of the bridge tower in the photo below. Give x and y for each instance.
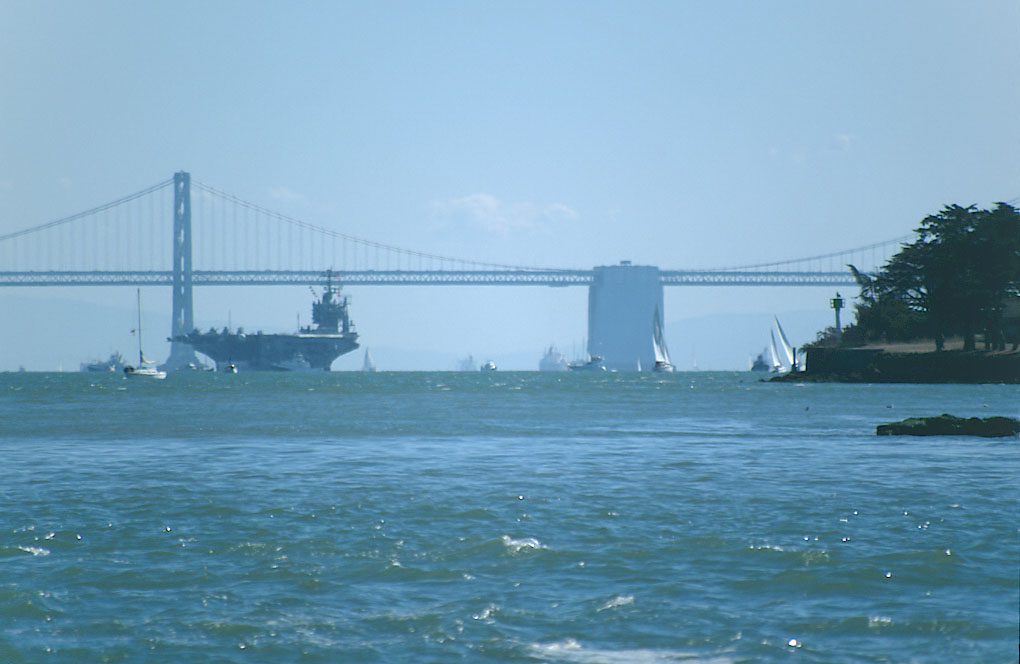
(183, 322)
(623, 302)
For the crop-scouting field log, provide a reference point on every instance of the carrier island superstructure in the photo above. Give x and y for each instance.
(314, 347)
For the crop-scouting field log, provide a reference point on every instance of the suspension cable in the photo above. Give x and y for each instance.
(791, 261)
(101, 208)
(258, 209)
(366, 243)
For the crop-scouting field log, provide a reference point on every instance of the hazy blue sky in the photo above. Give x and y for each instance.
(568, 134)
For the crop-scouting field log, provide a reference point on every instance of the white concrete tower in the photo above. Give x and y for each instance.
(181, 354)
(622, 304)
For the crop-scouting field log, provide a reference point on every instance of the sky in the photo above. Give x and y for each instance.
(565, 134)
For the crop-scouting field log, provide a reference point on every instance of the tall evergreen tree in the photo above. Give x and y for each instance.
(953, 279)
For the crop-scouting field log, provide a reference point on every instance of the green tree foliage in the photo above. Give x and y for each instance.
(955, 278)
(884, 313)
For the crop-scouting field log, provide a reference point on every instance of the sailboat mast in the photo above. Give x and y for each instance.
(140, 327)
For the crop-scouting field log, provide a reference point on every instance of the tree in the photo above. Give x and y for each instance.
(891, 305)
(998, 269)
(953, 279)
(946, 262)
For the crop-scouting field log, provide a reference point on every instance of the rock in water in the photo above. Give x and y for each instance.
(948, 425)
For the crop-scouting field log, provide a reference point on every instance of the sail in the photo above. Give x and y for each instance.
(776, 365)
(787, 357)
(658, 341)
(369, 365)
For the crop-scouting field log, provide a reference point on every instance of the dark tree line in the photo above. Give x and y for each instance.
(954, 279)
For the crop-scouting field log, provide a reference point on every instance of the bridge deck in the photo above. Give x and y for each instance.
(554, 278)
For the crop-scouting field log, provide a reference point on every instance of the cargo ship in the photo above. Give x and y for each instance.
(314, 347)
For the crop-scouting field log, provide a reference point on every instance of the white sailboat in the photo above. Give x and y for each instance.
(369, 365)
(662, 362)
(775, 365)
(786, 357)
(145, 369)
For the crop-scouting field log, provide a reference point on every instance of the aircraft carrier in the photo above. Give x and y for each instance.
(314, 347)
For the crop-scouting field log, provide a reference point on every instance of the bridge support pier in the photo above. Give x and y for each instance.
(623, 301)
(183, 321)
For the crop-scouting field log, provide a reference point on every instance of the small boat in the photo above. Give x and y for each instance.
(594, 363)
(230, 367)
(488, 366)
(145, 369)
(295, 363)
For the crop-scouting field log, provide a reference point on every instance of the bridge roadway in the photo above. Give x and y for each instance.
(554, 278)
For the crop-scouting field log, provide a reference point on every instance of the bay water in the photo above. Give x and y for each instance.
(501, 517)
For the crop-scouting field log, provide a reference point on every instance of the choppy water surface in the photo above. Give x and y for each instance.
(508, 517)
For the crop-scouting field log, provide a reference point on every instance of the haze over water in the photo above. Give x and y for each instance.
(507, 517)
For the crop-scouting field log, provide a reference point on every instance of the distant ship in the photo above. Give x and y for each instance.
(315, 347)
(760, 363)
(552, 361)
(594, 363)
(488, 366)
(113, 363)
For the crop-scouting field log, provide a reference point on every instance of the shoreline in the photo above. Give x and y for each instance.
(878, 365)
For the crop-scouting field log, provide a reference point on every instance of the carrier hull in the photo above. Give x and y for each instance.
(272, 352)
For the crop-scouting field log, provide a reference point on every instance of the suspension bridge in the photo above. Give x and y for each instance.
(183, 233)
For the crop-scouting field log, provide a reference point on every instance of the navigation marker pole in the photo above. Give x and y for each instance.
(837, 303)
